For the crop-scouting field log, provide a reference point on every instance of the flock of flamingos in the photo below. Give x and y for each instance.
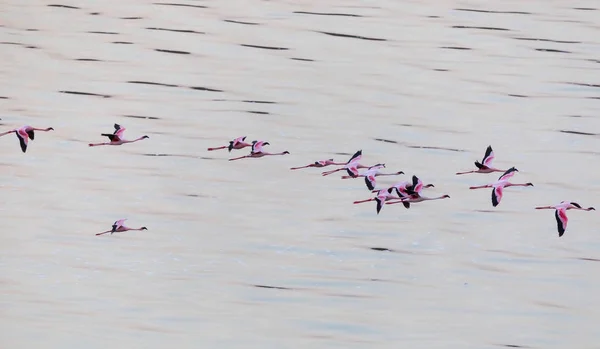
(405, 192)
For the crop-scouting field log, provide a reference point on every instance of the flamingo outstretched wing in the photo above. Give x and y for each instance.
(235, 142)
(561, 221)
(415, 187)
(257, 146)
(23, 138)
(119, 130)
(370, 181)
(488, 158)
(118, 224)
(508, 174)
(497, 192)
(352, 170)
(355, 158)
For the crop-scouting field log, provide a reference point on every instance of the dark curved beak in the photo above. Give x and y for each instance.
(266, 143)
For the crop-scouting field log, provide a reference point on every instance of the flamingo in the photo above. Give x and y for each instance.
(502, 183)
(237, 143)
(351, 166)
(118, 227)
(561, 213)
(485, 166)
(116, 138)
(404, 186)
(25, 133)
(412, 193)
(320, 163)
(257, 151)
(382, 196)
(371, 173)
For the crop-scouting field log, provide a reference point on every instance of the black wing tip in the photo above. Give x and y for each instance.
(369, 184)
(576, 204)
(494, 198)
(561, 229)
(406, 204)
(478, 164)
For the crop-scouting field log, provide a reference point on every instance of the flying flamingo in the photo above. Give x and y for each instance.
(405, 186)
(382, 196)
(371, 173)
(24, 133)
(500, 184)
(257, 151)
(412, 193)
(117, 137)
(485, 166)
(118, 227)
(351, 166)
(320, 163)
(237, 143)
(561, 213)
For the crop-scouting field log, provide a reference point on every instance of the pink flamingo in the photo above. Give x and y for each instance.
(485, 166)
(561, 213)
(500, 184)
(371, 173)
(24, 133)
(237, 143)
(257, 151)
(404, 186)
(412, 193)
(118, 227)
(382, 196)
(351, 166)
(117, 137)
(320, 163)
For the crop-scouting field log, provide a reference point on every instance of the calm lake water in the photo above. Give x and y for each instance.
(249, 254)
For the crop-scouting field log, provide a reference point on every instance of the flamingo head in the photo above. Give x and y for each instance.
(429, 186)
(145, 137)
(50, 129)
(529, 184)
(144, 228)
(446, 197)
(591, 209)
(399, 172)
(286, 152)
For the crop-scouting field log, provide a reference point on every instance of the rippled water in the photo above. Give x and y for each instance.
(250, 254)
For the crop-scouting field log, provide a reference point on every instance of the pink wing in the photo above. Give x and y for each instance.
(120, 131)
(239, 140)
(23, 133)
(497, 195)
(355, 158)
(489, 157)
(120, 222)
(352, 170)
(257, 146)
(508, 174)
(561, 221)
(418, 185)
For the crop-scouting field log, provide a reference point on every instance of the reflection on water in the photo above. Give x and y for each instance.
(250, 254)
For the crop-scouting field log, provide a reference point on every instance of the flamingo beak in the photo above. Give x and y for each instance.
(144, 228)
